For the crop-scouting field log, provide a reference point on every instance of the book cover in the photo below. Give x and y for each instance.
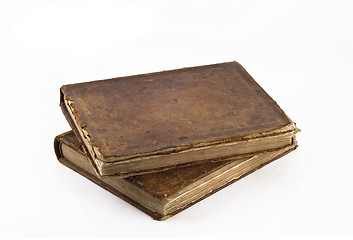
(164, 194)
(141, 123)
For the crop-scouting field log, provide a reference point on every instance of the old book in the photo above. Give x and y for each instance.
(164, 194)
(149, 122)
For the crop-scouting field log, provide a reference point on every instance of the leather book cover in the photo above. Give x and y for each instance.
(161, 186)
(135, 123)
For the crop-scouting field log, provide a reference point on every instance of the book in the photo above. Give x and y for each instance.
(164, 194)
(153, 122)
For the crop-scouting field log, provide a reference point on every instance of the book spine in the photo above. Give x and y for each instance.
(57, 148)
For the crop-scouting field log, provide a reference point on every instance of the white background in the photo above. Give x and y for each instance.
(300, 52)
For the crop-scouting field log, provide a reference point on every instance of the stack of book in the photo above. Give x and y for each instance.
(164, 141)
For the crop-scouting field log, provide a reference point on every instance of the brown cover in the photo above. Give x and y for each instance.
(159, 185)
(170, 111)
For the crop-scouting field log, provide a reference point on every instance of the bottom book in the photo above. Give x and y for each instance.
(164, 194)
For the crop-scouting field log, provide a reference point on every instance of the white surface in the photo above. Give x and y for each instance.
(300, 52)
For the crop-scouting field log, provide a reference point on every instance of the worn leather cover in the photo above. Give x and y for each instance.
(159, 185)
(165, 112)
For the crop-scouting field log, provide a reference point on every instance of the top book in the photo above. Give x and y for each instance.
(150, 122)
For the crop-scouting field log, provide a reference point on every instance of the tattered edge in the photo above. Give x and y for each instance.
(154, 215)
(76, 132)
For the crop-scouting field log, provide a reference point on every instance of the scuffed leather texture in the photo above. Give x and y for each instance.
(165, 183)
(179, 108)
